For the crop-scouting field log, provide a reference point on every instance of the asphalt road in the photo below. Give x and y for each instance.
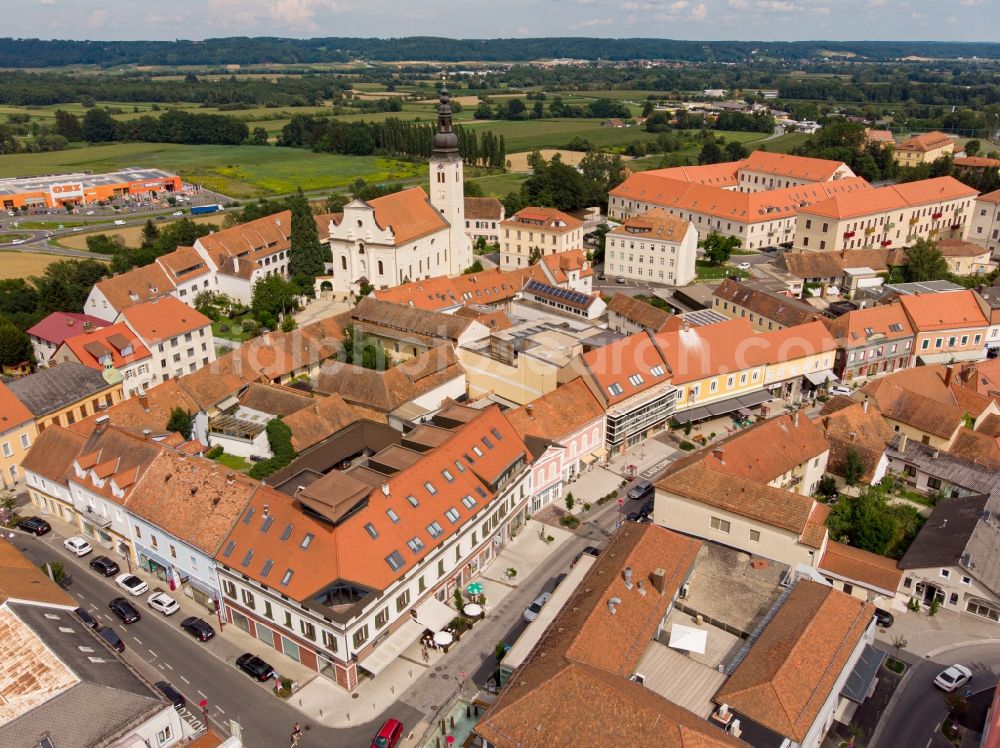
(158, 649)
(920, 707)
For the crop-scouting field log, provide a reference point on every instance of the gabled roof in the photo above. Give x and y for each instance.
(277, 354)
(149, 411)
(891, 197)
(960, 248)
(977, 447)
(989, 197)
(791, 670)
(643, 314)
(58, 326)
(112, 342)
(943, 539)
(848, 426)
(250, 240)
(51, 389)
(797, 341)
(795, 167)
(710, 350)
(928, 312)
(655, 224)
(548, 219)
(53, 453)
(324, 417)
(576, 678)
(408, 214)
(483, 209)
(918, 402)
(928, 141)
(164, 318)
(390, 316)
(627, 367)
(196, 500)
(832, 264)
(559, 413)
(23, 581)
(274, 399)
(113, 457)
(782, 309)
(13, 412)
(139, 284)
(183, 264)
(864, 567)
(976, 162)
(874, 323)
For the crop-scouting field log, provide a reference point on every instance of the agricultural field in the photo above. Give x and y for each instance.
(24, 264)
(236, 171)
(130, 235)
(498, 185)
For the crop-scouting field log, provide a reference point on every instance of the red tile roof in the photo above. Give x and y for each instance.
(886, 322)
(558, 414)
(976, 162)
(790, 671)
(61, 325)
(795, 167)
(891, 197)
(637, 356)
(12, 411)
(162, 319)
(90, 348)
(954, 310)
(720, 348)
(548, 219)
(140, 284)
(925, 142)
(864, 567)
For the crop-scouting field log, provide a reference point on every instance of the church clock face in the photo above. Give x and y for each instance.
(441, 166)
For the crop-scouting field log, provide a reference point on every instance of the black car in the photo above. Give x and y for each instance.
(88, 619)
(124, 610)
(255, 667)
(633, 517)
(108, 634)
(198, 629)
(642, 490)
(647, 509)
(589, 550)
(104, 566)
(884, 618)
(35, 525)
(601, 277)
(174, 696)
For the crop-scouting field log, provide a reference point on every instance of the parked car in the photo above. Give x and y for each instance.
(884, 618)
(87, 619)
(255, 667)
(198, 628)
(162, 602)
(744, 266)
(35, 525)
(174, 696)
(532, 611)
(177, 213)
(589, 550)
(634, 517)
(108, 634)
(647, 509)
(953, 677)
(77, 546)
(840, 389)
(131, 584)
(125, 611)
(601, 277)
(641, 490)
(389, 735)
(619, 279)
(104, 566)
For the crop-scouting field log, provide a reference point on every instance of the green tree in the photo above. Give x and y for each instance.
(258, 136)
(854, 467)
(149, 233)
(65, 285)
(15, 345)
(472, 189)
(307, 255)
(866, 521)
(735, 151)
(711, 153)
(534, 256)
(273, 295)
(98, 126)
(279, 439)
(973, 147)
(924, 262)
(475, 267)
(54, 570)
(719, 248)
(180, 421)
(335, 202)
(68, 125)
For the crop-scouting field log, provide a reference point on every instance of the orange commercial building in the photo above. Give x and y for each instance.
(61, 190)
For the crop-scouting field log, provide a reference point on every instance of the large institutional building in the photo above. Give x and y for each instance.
(64, 190)
(405, 236)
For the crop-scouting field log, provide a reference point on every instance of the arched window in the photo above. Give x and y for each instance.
(343, 263)
(380, 271)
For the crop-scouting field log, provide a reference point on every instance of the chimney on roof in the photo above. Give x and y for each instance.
(385, 489)
(69, 321)
(267, 509)
(719, 454)
(628, 577)
(144, 402)
(864, 405)
(949, 372)
(854, 436)
(530, 410)
(641, 586)
(613, 604)
(230, 479)
(659, 580)
(795, 419)
(147, 433)
(88, 326)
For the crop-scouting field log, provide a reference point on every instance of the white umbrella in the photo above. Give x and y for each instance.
(686, 637)
(443, 638)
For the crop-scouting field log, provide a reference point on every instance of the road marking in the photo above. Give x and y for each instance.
(152, 652)
(169, 667)
(185, 680)
(80, 596)
(221, 711)
(203, 694)
(137, 639)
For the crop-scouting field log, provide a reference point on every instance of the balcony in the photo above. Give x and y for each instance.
(96, 518)
(890, 226)
(848, 234)
(869, 231)
(886, 243)
(914, 221)
(937, 215)
(959, 211)
(956, 226)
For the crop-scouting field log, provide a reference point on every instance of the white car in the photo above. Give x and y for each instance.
(532, 611)
(162, 602)
(131, 584)
(77, 546)
(178, 213)
(19, 241)
(744, 266)
(90, 212)
(953, 677)
(840, 389)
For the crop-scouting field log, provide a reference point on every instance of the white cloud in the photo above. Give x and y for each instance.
(738, 4)
(778, 6)
(679, 5)
(46, 2)
(290, 15)
(97, 18)
(699, 12)
(971, 3)
(592, 23)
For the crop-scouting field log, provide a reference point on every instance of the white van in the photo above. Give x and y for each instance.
(840, 389)
(119, 222)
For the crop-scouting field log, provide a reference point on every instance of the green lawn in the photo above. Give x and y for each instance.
(235, 332)
(499, 185)
(783, 143)
(234, 461)
(706, 272)
(238, 171)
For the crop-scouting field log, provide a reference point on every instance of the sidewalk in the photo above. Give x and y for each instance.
(649, 456)
(927, 636)
(428, 686)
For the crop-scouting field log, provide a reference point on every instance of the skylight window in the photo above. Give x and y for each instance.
(395, 561)
(435, 530)
(287, 576)
(287, 532)
(448, 476)
(266, 525)
(391, 514)
(635, 380)
(307, 540)
(478, 451)
(487, 442)
(230, 547)
(416, 544)
(497, 435)
(247, 556)
(459, 466)
(452, 515)
(656, 371)
(615, 389)
(430, 488)
(248, 516)
(267, 568)
(468, 502)
(370, 529)
(413, 500)
(481, 492)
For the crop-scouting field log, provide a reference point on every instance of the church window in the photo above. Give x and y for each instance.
(359, 223)
(343, 263)
(380, 271)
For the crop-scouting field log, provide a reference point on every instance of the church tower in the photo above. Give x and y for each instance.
(447, 186)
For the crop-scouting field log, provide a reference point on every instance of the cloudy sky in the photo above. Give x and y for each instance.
(971, 20)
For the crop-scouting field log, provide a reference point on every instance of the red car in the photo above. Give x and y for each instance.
(389, 735)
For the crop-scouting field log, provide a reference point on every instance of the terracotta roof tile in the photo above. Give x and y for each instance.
(795, 167)
(959, 248)
(977, 447)
(655, 224)
(22, 581)
(183, 264)
(643, 314)
(483, 209)
(847, 426)
(61, 325)
(989, 197)
(53, 453)
(720, 348)
(557, 414)
(92, 347)
(150, 411)
(928, 312)
(976, 162)
(140, 284)
(549, 219)
(928, 141)
(790, 671)
(892, 197)
(13, 413)
(886, 322)
(323, 418)
(251, 240)
(164, 318)
(627, 367)
(832, 264)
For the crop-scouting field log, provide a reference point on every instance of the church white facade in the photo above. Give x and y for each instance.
(408, 235)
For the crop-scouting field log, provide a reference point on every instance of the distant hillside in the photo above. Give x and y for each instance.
(16, 53)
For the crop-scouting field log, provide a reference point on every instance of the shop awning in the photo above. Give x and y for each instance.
(860, 681)
(754, 399)
(433, 614)
(944, 358)
(600, 453)
(694, 414)
(391, 647)
(688, 638)
(588, 459)
(228, 403)
(819, 378)
(724, 407)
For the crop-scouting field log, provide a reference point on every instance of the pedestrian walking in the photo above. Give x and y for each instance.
(424, 654)
(296, 735)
